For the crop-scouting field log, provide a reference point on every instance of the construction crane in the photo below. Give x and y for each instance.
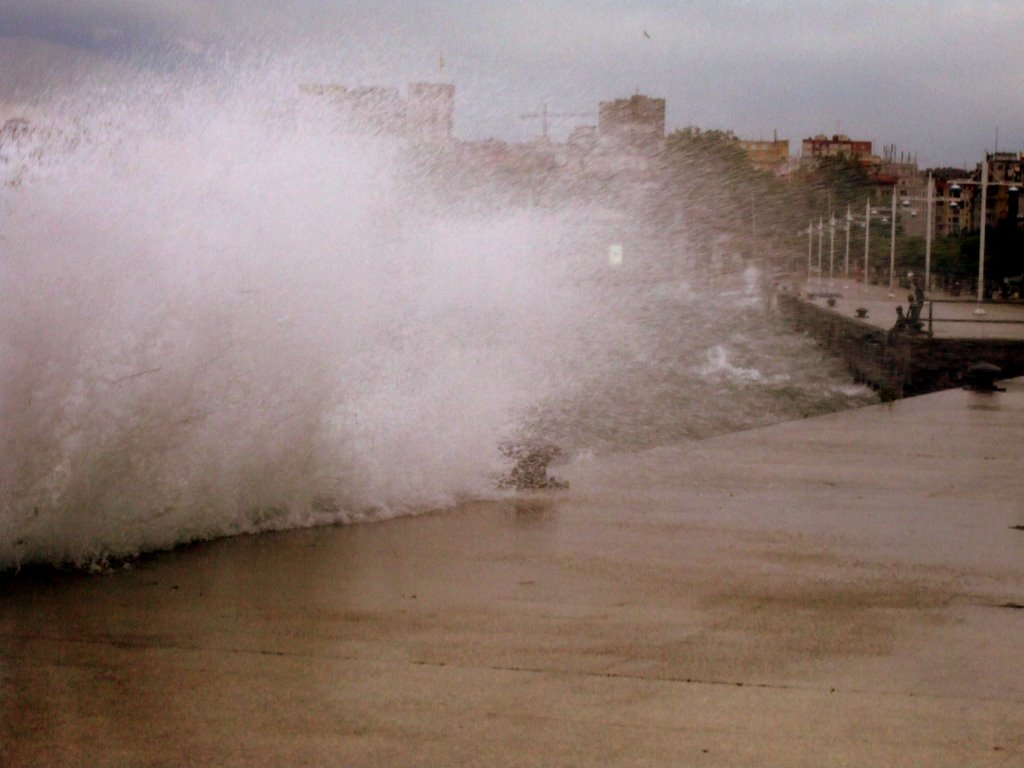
(545, 116)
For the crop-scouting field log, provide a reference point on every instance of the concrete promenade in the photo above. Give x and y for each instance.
(839, 591)
(882, 309)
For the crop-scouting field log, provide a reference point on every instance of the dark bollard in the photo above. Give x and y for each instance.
(862, 312)
(981, 377)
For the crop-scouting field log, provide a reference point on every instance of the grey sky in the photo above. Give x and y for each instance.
(935, 78)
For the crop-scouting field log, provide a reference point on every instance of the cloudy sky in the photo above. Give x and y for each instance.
(939, 79)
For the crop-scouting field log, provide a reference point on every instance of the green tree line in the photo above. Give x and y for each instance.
(708, 182)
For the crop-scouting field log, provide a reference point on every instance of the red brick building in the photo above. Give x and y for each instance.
(838, 145)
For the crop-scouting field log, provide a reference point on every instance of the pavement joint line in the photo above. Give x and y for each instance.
(123, 645)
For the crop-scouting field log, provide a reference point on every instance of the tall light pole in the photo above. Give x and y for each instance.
(810, 248)
(892, 245)
(981, 243)
(928, 236)
(868, 214)
(985, 183)
(929, 202)
(849, 219)
(831, 247)
(821, 235)
(867, 237)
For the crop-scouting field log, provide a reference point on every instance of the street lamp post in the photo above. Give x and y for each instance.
(868, 215)
(867, 238)
(978, 310)
(810, 248)
(928, 237)
(821, 235)
(983, 219)
(831, 248)
(892, 245)
(849, 219)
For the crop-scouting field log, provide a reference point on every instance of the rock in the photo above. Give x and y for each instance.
(530, 465)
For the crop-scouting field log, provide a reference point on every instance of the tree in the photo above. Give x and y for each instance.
(1004, 251)
(844, 180)
(708, 180)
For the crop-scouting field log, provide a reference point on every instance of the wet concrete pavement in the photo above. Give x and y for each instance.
(953, 317)
(838, 591)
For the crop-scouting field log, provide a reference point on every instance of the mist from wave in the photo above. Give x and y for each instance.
(218, 318)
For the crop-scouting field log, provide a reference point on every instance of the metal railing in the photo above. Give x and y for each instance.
(977, 318)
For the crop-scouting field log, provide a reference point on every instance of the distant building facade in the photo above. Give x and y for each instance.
(767, 156)
(958, 195)
(1005, 178)
(819, 147)
(900, 174)
(954, 202)
(425, 113)
(629, 134)
(637, 121)
(430, 110)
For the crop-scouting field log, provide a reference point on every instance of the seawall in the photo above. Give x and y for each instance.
(903, 364)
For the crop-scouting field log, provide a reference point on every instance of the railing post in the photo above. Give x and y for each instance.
(931, 304)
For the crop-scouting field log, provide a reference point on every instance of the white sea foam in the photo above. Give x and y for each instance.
(217, 321)
(853, 390)
(719, 363)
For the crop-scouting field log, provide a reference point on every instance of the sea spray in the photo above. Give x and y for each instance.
(216, 322)
(223, 310)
